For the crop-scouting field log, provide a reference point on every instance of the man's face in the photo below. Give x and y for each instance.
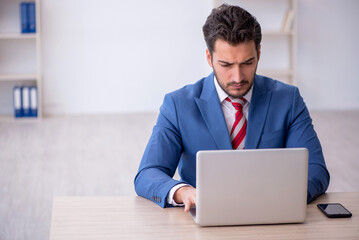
(234, 66)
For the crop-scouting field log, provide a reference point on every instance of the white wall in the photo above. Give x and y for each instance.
(328, 53)
(121, 56)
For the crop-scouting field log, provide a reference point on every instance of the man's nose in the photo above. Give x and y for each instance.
(237, 74)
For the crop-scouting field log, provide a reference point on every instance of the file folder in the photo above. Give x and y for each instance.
(17, 102)
(24, 17)
(33, 102)
(25, 92)
(31, 17)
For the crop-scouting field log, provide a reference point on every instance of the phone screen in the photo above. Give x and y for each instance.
(334, 210)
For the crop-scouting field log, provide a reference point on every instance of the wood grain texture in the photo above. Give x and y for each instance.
(137, 218)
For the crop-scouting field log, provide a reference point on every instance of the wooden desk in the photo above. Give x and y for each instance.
(138, 218)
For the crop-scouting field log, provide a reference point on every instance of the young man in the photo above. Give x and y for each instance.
(232, 108)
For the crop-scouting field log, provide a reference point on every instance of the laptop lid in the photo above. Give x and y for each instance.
(262, 186)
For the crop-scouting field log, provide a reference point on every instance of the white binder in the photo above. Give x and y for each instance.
(33, 101)
(25, 92)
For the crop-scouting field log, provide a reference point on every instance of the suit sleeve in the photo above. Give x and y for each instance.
(302, 134)
(160, 159)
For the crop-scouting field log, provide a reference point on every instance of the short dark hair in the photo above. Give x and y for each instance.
(232, 24)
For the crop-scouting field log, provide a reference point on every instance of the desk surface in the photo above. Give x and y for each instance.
(138, 218)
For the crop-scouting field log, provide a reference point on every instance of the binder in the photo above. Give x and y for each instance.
(33, 101)
(31, 17)
(24, 17)
(17, 101)
(25, 92)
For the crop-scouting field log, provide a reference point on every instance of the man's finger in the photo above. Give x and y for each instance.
(188, 204)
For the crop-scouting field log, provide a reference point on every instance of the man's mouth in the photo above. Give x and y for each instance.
(238, 85)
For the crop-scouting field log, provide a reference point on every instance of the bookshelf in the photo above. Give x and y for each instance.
(278, 19)
(20, 61)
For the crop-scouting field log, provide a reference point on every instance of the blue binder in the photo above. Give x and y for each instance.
(17, 101)
(31, 17)
(25, 96)
(33, 101)
(24, 17)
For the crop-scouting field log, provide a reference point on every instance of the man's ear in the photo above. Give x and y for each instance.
(209, 58)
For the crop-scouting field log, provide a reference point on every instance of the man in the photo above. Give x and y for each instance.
(232, 108)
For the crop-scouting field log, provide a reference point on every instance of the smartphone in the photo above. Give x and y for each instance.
(334, 210)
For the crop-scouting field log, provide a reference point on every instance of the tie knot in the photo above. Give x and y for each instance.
(237, 103)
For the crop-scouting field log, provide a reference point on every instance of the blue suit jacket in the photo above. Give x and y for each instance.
(191, 119)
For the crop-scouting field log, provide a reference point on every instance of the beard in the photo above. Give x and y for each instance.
(247, 85)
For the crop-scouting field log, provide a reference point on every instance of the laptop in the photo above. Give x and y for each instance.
(247, 187)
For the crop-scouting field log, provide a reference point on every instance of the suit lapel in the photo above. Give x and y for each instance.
(257, 112)
(211, 111)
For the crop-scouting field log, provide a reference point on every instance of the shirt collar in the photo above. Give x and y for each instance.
(222, 95)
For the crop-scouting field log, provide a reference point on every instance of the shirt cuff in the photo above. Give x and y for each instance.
(172, 192)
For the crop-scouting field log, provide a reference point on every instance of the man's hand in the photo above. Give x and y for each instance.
(185, 195)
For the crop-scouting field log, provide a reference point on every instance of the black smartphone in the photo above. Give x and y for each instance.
(334, 210)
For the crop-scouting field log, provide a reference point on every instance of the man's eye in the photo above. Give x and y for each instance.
(249, 63)
(225, 65)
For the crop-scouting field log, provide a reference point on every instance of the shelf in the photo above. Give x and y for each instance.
(18, 35)
(18, 77)
(277, 33)
(9, 118)
(20, 57)
(276, 72)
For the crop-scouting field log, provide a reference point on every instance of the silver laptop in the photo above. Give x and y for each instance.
(245, 187)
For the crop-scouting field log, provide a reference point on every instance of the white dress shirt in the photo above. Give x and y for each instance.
(229, 113)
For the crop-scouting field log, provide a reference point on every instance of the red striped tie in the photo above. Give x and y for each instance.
(239, 129)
